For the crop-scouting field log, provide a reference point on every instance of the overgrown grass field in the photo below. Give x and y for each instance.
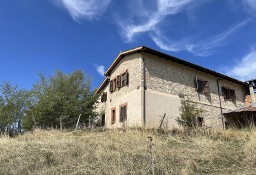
(116, 152)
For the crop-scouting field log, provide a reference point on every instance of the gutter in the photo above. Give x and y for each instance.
(221, 110)
(143, 93)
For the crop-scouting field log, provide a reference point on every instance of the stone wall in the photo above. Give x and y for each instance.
(174, 79)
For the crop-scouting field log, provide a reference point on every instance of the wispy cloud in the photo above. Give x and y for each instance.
(251, 4)
(89, 9)
(195, 45)
(150, 18)
(245, 68)
(100, 69)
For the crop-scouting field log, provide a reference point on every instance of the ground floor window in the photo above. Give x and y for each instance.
(103, 120)
(113, 115)
(123, 112)
(200, 121)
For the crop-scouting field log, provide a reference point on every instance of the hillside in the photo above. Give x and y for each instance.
(118, 152)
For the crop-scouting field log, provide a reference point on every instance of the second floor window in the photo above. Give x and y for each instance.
(228, 93)
(104, 97)
(118, 82)
(202, 86)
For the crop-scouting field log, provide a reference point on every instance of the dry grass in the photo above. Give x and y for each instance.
(117, 152)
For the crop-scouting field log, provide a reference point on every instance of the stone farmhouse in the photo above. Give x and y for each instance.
(142, 85)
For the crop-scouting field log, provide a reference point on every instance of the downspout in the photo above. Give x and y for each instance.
(143, 93)
(221, 110)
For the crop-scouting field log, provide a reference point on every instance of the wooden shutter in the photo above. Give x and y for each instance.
(111, 86)
(114, 85)
(118, 83)
(206, 88)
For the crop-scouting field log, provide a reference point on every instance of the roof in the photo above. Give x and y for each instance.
(105, 81)
(248, 81)
(242, 109)
(170, 58)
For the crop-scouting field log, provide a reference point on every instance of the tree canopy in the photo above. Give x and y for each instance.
(59, 100)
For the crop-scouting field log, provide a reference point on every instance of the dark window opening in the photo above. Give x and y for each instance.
(103, 120)
(228, 94)
(202, 86)
(226, 124)
(200, 121)
(113, 116)
(123, 113)
(104, 97)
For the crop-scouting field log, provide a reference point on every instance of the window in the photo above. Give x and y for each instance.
(201, 86)
(228, 93)
(200, 121)
(111, 86)
(113, 115)
(123, 113)
(118, 81)
(104, 97)
(114, 85)
(124, 79)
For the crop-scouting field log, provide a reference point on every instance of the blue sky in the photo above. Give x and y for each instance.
(43, 36)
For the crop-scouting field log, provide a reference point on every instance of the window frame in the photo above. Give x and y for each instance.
(203, 86)
(103, 97)
(200, 121)
(113, 117)
(228, 93)
(123, 119)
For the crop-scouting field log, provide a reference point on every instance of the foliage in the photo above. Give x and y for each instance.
(58, 100)
(189, 113)
(13, 105)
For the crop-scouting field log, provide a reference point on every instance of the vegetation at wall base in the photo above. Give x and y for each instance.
(120, 152)
(189, 112)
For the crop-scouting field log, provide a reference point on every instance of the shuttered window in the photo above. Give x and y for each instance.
(124, 79)
(104, 97)
(114, 84)
(111, 86)
(202, 86)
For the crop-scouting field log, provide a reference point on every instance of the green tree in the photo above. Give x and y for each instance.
(58, 100)
(189, 113)
(13, 105)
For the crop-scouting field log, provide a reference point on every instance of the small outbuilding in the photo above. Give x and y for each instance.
(243, 116)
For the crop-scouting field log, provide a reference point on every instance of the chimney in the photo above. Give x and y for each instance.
(252, 94)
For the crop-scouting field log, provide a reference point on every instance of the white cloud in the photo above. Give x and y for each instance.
(245, 69)
(84, 8)
(196, 45)
(250, 4)
(100, 69)
(150, 18)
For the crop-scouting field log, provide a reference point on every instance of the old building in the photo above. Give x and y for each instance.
(143, 84)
